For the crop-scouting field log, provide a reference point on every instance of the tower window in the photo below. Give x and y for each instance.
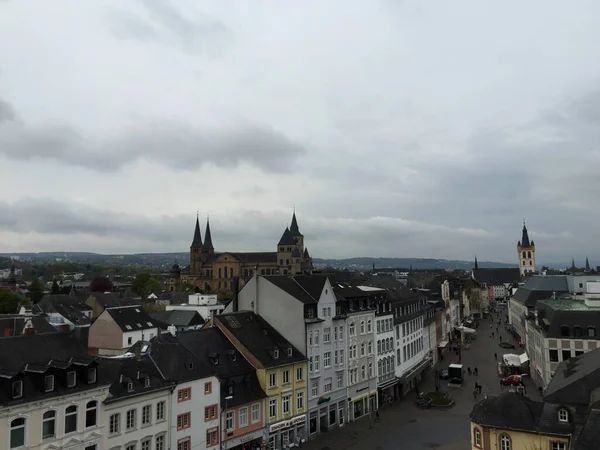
(524, 254)
(529, 254)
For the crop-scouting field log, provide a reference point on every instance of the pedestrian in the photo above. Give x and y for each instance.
(476, 371)
(492, 334)
(469, 370)
(495, 356)
(479, 387)
(474, 394)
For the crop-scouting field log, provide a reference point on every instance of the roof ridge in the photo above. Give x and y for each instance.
(307, 293)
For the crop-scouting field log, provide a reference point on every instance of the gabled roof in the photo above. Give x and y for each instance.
(497, 277)
(306, 254)
(286, 238)
(508, 411)
(69, 307)
(575, 380)
(304, 288)
(131, 318)
(17, 324)
(137, 372)
(260, 338)
(539, 287)
(113, 300)
(179, 317)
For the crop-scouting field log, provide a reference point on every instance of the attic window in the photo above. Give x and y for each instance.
(276, 354)
(137, 310)
(139, 325)
(71, 379)
(289, 352)
(129, 386)
(91, 375)
(563, 415)
(147, 382)
(48, 383)
(128, 327)
(17, 389)
(149, 324)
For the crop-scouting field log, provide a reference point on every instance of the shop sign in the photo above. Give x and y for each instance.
(323, 400)
(287, 423)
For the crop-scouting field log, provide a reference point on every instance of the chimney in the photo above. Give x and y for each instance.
(64, 328)
(8, 332)
(138, 351)
(236, 291)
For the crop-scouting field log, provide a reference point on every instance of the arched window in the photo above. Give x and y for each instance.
(362, 349)
(379, 372)
(370, 348)
(262, 271)
(268, 271)
(477, 437)
(231, 272)
(563, 415)
(378, 347)
(91, 414)
(531, 263)
(48, 424)
(505, 442)
(71, 419)
(225, 271)
(524, 254)
(287, 262)
(17, 433)
(219, 272)
(591, 332)
(362, 327)
(369, 326)
(564, 331)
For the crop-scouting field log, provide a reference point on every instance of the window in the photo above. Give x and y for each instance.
(210, 412)
(566, 355)
(183, 421)
(243, 417)
(207, 388)
(159, 443)
(335, 333)
(300, 400)
(130, 446)
(553, 355)
(273, 379)
(91, 375)
(286, 376)
(591, 332)
(285, 404)
(131, 420)
(186, 443)
(363, 372)
(327, 359)
(272, 407)
(146, 415)
(255, 413)
(362, 327)
(352, 329)
(505, 443)
(316, 337)
(477, 437)
(369, 326)
(71, 379)
(327, 385)
(71, 419)
(229, 421)
(310, 338)
(563, 415)
(17, 389)
(184, 395)
(160, 411)
(212, 438)
(114, 424)
(146, 444)
(362, 349)
(299, 374)
(17, 433)
(335, 358)
(314, 388)
(370, 348)
(91, 414)
(577, 331)
(327, 335)
(558, 446)
(341, 356)
(49, 424)
(316, 363)
(564, 331)
(340, 379)
(48, 383)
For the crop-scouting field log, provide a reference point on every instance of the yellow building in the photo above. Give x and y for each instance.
(281, 369)
(213, 271)
(513, 421)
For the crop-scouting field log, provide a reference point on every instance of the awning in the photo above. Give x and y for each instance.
(414, 371)
(443, 344)
(510, 359)
(388, 383)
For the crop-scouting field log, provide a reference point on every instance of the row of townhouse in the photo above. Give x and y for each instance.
(365, 342)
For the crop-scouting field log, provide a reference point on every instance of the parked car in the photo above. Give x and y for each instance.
(444, 375)
(506, 345)
(512, 380)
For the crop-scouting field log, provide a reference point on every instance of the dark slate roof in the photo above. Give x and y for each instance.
(589, 436)
(525, 237)
(305, 288)
(208, 237)
(132, 316)
(294, 227)
(347, 290)
(134, 371)
(256, 257)
(69, 307)
(575, 380)
(197, 242)
(396, 291)
(113, 300)
(497, 277)
(553, 314)
(287, 238)
(17, 323)
(179, 317)
(306, 254)
(174, 361)
(508, 411)
(260, 338)
(539, 287)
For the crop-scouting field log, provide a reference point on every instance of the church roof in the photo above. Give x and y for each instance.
(286, 238)
(294, 227)
(197, 242)
(208, 237)
(306, 255)
(525, 237)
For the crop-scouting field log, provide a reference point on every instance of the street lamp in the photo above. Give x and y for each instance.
(224, 422)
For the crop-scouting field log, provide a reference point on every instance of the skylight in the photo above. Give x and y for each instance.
(139, 325)
(137, 310)
(149, 324)
(128, 327)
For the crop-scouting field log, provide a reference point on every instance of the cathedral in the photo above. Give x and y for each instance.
(213, 272)
(526, 253)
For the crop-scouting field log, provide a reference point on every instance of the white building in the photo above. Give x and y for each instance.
(206, 305)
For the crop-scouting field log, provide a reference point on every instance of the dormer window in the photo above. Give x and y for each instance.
(149, 324)
(71, 379)
(276, 354)
(147, 382)
(17, 389)
(289, 351)
(91, 375)
(129, 386)
(563, 415)
(128, 327)
(48, 383)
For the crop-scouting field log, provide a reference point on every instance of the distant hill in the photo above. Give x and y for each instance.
(366, 263)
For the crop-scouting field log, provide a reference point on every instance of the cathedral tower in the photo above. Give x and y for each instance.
(526, 253)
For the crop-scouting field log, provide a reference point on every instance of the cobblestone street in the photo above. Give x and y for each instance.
(404, 426)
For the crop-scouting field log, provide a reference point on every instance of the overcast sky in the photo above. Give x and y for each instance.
(396, 128)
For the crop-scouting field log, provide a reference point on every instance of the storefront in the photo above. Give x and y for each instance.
(287, 433)
(360, 406)
(413, 377)
(248, 441)
(327, 413)
(388, 391)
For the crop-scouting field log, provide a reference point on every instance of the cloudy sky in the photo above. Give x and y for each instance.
(395, 127)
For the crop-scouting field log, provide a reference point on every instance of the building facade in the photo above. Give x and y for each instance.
(526, 253)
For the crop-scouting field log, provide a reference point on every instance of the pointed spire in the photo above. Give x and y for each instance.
(306, 255)
(208, 237)
(197, 242)
(572, 263)
(294, 226)
(525, 237)
(286, 238)
(476, 266)
(587, 264)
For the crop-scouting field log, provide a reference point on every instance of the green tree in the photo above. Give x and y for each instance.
(153, 286)
(9, 302)
(154, 307)
(144, 284)
(36, 290)
(55, 288)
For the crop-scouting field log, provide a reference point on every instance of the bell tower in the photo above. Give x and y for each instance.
(526, 253)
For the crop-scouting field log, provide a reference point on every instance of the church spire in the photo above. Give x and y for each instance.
(208, 237)
(197, 242)
(573, 263)
(587, 264)
(294, 226)
(476, 266)
(525, 237)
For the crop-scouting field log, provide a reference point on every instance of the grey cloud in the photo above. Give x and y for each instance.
(126, 25)
(7, 112)
(175, 145)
